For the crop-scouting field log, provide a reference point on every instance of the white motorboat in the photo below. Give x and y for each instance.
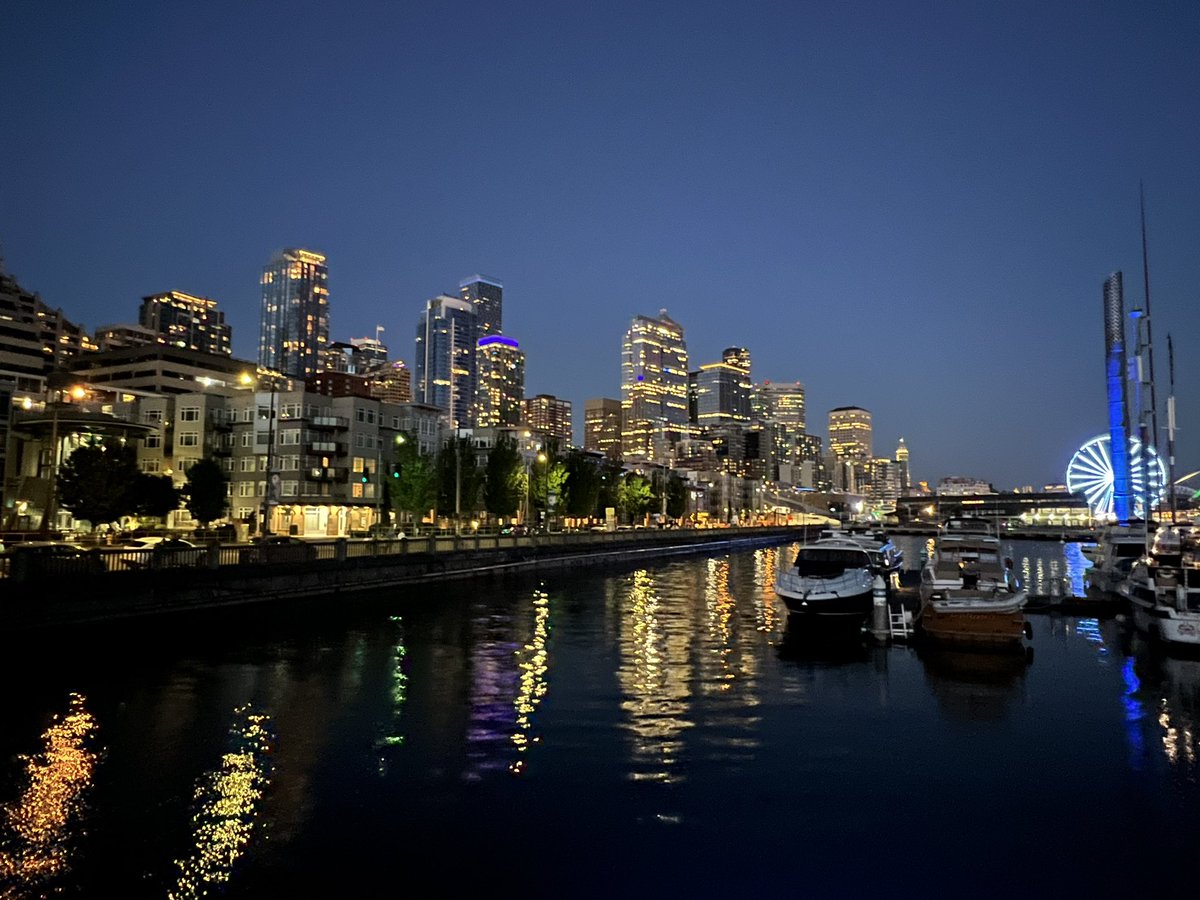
(1118, 547)
(1163, 587)
(886, 556)
(831, 580)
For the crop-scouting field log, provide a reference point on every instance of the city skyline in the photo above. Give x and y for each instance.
(908, 210)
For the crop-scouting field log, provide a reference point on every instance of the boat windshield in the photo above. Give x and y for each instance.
(822, 562)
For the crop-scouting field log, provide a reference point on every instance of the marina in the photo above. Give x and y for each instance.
(666, 712)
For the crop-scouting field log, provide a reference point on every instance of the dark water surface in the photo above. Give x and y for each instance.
(652, 732)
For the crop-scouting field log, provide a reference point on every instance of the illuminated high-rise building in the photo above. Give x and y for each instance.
(654, 386)
(850, 433)
(722, 394)
(905, 477)
(294, 322)
(500, 381)
(182, 320)
(602, 426)
(391, 383)
(738, 357)
(447, 335)
(487, 294)
(550, 416)
(783, 403)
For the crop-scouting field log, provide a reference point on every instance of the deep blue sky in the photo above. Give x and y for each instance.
(910, 207)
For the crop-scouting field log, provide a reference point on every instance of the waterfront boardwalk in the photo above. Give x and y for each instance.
(115, 583)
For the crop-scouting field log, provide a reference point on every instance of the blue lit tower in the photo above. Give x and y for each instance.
(1118, 404)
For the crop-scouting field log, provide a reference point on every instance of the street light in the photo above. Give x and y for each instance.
(78, 393)
(541, 457)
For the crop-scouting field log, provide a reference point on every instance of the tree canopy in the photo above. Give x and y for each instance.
(205, 491)
(96, 482)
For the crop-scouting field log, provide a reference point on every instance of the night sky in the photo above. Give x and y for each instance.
(909, 207)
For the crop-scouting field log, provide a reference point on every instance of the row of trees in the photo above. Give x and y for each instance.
(570, 483)
(101, 483)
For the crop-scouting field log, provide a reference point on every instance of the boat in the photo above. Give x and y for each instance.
(1163, 587)
(831, 580)
(1117, 548)
(969, 594)
(886, 556)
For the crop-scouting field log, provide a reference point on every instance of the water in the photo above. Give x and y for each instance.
(652, 732)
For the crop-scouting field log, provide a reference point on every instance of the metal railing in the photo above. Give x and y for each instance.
(31, 564)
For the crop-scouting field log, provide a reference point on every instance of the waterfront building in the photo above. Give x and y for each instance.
(602, 426)
(883, 486)
(185, 320)
(958, 485)
(548, 415)
(338, 384)
(161, 369)
(445, 357)
(391, 383)
(500, 390)
(117, 337)
(294, 321)
(487, 296)
(654, 387)
(36, 339)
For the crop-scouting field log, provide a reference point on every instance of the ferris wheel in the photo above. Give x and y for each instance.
(1090, 473)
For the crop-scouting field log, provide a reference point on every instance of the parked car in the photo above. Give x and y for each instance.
(38, 559)
(516, 529)
(278, 548)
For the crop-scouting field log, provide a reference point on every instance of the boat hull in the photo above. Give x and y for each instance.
(976, 621)
(1166, 624)
(817, 607)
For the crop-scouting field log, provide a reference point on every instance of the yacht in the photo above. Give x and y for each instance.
(886, 556)
(831, 580)
(1163, 587)
(968, 591)
(1118, 547)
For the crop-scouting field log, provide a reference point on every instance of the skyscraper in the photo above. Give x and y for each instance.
(783, 402)
(654, 385)
(182, 320)
(722, 394)
(902, 466)
(445, 358)
(294, 323)
(500, 381)
(488, 296)
(550, 416)
(602, 426)
(850, 433)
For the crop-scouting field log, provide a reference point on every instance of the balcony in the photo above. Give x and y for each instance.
(329, 422)
(326, 448)
(326, 474)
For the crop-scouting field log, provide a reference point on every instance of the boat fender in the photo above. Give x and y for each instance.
(1028, 629)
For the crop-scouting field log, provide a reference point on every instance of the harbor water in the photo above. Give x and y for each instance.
(649, 732)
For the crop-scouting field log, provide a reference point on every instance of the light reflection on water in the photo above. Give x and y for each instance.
(42, 826)
(668, 714)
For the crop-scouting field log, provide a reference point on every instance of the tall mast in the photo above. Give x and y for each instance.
(1171, 426)
(1150, 439)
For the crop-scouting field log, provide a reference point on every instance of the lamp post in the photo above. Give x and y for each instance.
(49, 512)
(269, 497)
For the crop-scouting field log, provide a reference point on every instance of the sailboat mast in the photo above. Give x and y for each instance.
(1150, 440)
(1171, 426)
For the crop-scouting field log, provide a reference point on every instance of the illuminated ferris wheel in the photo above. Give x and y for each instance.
(1090, 473)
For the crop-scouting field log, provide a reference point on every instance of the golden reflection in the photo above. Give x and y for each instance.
(36, 825)
(532, 686)
(767, 616)
(654, 676)
(719, 606)
(227, 802)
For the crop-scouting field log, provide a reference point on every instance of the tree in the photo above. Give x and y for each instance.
(583, 484)
(459, 476)
(413, 487)
(611, 476)
(635, 495)
(96, 482)
(207, 499)
(504, 480)
(155, 495)
(548, 476)
(676, 496)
